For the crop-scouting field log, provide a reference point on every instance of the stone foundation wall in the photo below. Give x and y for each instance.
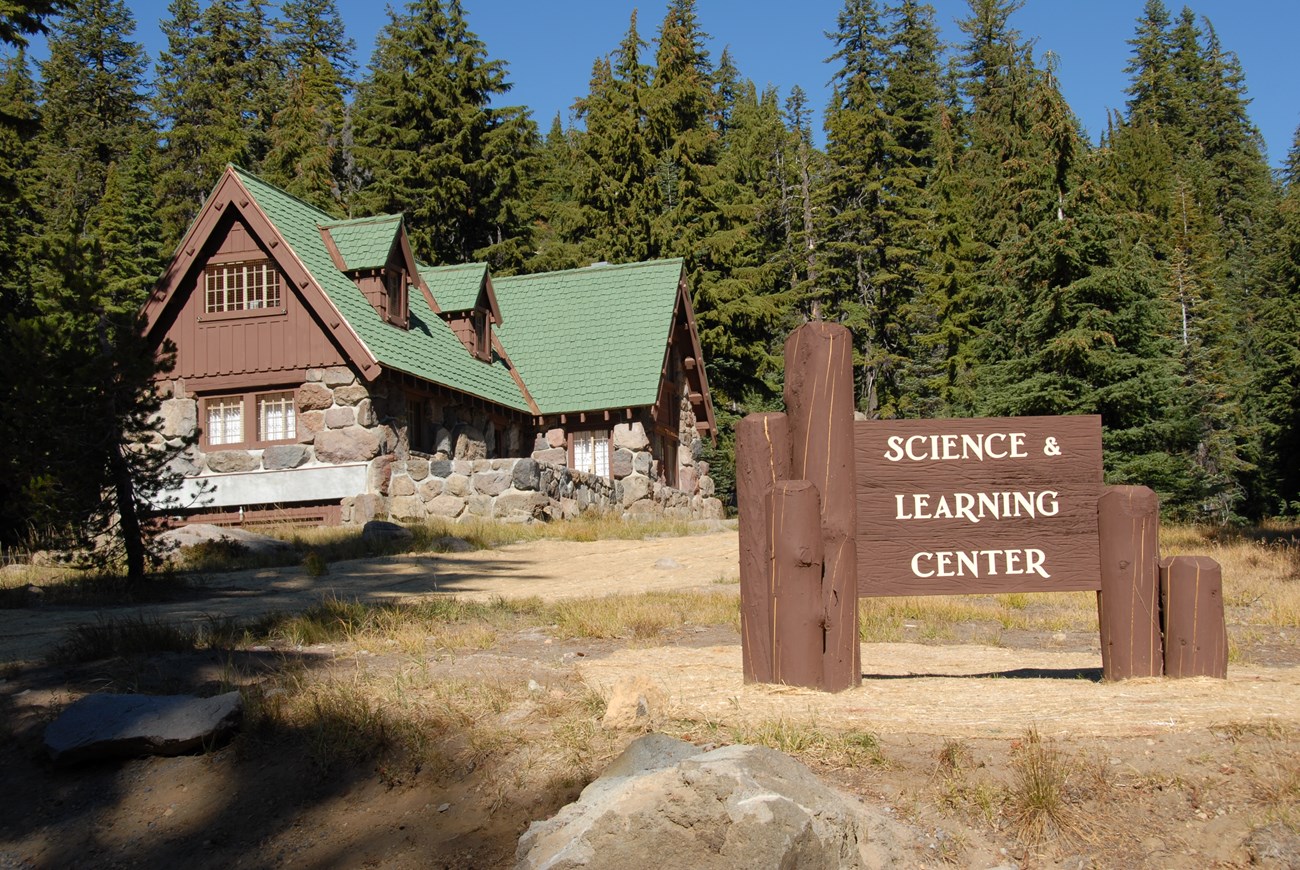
(342, 420)
(517, 490)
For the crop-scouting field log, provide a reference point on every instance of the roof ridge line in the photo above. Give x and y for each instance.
(592, 267)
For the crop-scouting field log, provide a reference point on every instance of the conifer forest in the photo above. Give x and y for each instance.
(989, 257)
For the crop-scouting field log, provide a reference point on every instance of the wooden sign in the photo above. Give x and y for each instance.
(967, 506)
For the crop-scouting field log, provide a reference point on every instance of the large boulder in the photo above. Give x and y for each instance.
(180, 417)
(353, 444)
(631, 436)
(228, 461)
(282, 456)
(124, 726)
(740, 806)
(314, 397)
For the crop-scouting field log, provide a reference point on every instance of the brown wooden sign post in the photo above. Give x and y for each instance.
(942, 507)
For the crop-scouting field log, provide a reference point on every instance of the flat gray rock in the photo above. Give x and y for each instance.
(125, 726)
(738, 806)
(199, 533)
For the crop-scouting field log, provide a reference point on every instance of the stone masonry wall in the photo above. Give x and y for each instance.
(336, 423)
(342, 420)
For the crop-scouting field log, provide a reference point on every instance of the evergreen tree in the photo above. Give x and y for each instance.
(613, 157)
(1277, 380)
(92, 90)
(679, 106)
(742, 285)
(1083, 331)
(306, 134)
(880, 149)
(184, 103)
(431, 144)
(89, 390)
(20, 19)
(19, 120)
(19, 462)
(555, 203)
(218, 85)
(1151, 93)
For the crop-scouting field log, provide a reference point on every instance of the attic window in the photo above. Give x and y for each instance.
(241, 287)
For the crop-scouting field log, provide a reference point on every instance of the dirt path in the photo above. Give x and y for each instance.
(957, 690)
(547, 569)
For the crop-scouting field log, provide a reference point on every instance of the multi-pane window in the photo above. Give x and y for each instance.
(225, 420)
(241, 286)
(591, 452)
(275, 417)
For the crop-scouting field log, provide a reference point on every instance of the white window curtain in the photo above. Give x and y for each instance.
(276, 420)
(225, 421)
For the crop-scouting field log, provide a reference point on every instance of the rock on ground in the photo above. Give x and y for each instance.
(665, 801)
(199, 533)
(102, 725)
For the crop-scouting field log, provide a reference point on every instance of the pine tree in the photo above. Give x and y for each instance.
(431, 144)
(555, 203)
(1083, 331)
(89, 386)
(853, 199)
(306, 133)
(92, 90)
(19, 123)
(1151, 93)
(19, 119)
(679, 104)
(218, 85)
(613, 157)
(183, 103)
(20, 19)
(1277, 381)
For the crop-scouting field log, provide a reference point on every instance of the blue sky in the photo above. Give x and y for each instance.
(549, 45)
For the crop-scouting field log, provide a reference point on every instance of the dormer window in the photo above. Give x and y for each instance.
(395, 288)
(243, 286)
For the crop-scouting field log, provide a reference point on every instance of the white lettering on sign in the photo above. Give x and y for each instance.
(976, 506)
(980, 563)
(980, 446)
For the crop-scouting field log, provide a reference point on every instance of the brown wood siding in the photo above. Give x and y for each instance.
(263, 341)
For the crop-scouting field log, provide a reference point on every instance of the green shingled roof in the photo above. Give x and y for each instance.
(589, 339)
(365, 243)
(427, 350)
(455, 288)
(581, 340)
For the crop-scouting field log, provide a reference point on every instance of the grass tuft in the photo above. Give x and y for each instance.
(1038, 802)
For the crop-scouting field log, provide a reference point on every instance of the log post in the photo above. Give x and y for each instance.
(797, 556)
(819, 401)
(1196, 637)
(762, 459)
(1128, 605)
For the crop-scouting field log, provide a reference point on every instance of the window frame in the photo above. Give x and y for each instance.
(591, 435)
(250, 404)
(215, 266)
(396, 290)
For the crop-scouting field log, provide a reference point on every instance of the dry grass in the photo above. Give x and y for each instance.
(642, 616)
(883, 620)
(1039, 804)
(830, 749)
(1261, 568)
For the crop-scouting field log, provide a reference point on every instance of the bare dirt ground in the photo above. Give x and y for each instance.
(1156, 773)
